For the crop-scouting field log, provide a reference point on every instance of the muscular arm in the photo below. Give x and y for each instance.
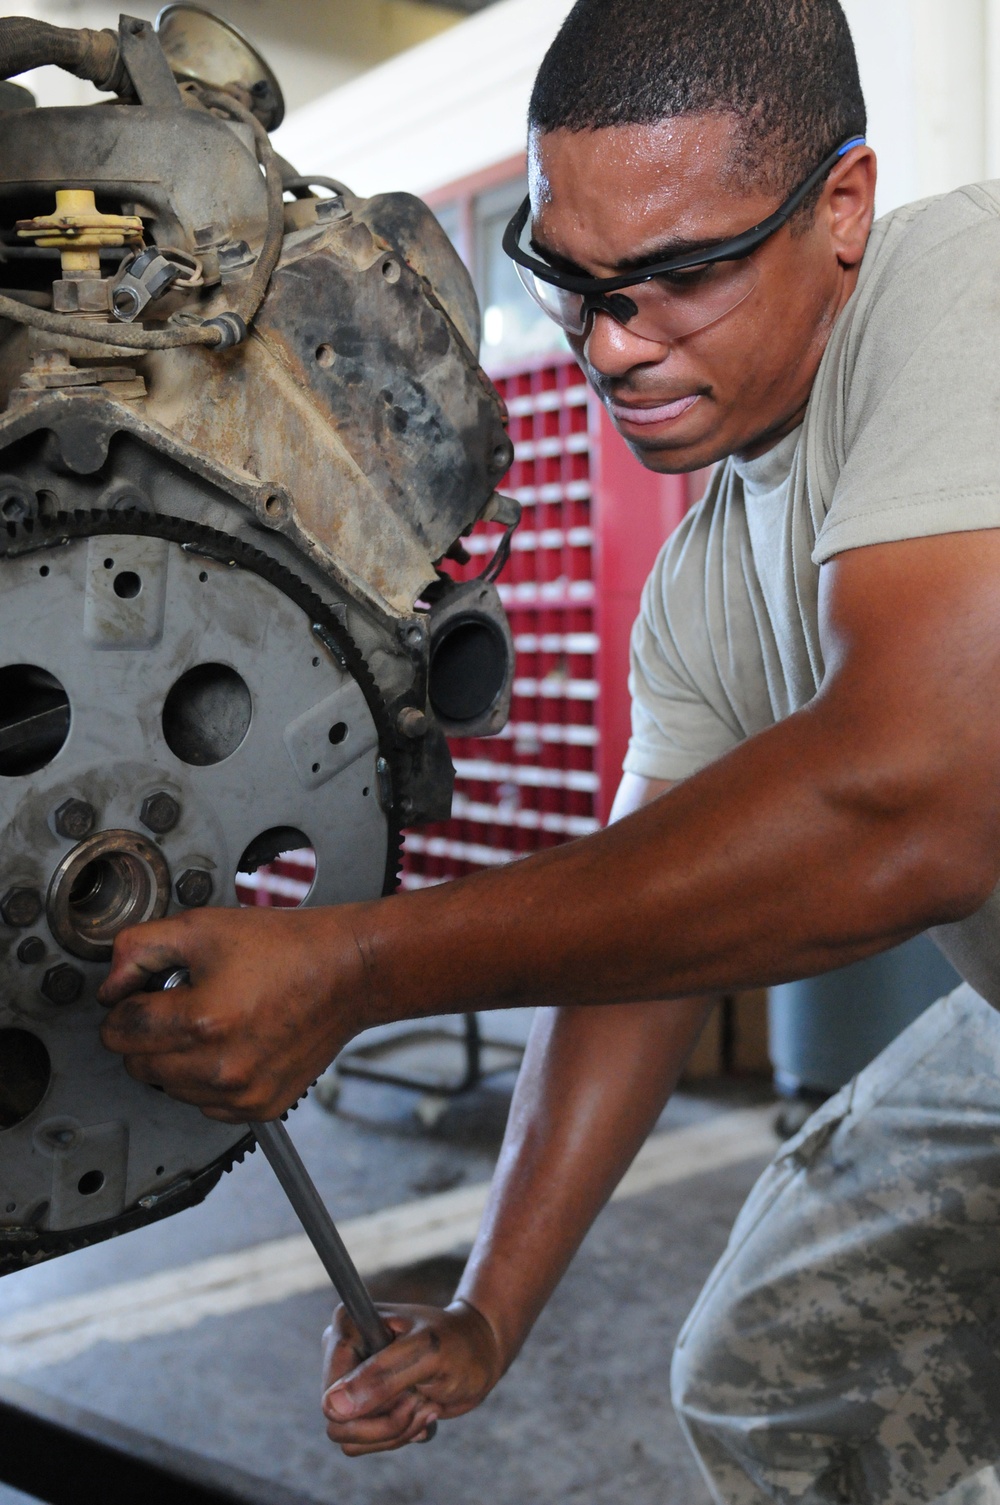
(592, 1085)
(858, 821)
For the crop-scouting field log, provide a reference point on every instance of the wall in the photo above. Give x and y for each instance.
(439, 113)
(312, 45)
(931, 74)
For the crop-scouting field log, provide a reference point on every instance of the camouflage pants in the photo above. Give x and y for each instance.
(847, 1345)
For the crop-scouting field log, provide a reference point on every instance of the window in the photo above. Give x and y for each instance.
(514, 328)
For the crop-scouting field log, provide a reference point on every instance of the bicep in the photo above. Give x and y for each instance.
(918, 621)
(911, 641)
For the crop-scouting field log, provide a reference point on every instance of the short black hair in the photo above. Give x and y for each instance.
(785, 69)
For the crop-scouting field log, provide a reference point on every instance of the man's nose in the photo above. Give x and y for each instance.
(613, 350)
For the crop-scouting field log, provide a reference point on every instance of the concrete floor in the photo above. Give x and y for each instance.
(584, 1416)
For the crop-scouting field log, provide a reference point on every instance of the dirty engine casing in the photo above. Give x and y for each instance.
(241, 426)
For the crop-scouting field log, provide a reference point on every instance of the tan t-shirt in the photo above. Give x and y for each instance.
(901, 439)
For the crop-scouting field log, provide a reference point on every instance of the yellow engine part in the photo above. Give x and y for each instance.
(79, 229)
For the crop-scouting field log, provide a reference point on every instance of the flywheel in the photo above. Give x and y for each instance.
(175, 709)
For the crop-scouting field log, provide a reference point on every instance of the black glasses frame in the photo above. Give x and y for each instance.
(734, 249)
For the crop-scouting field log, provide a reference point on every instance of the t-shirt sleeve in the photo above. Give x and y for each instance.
(680, 721)
(921, 417)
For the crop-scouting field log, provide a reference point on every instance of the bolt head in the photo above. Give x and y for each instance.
(75, 819)
(194, 888)
(503, 457)
(31, 950)
(21, 907)
(62, 984)
(160, 812)
(411, 722)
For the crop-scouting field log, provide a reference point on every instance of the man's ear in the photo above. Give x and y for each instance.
(847, 207)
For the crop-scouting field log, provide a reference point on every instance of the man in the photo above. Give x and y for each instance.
(814, 776)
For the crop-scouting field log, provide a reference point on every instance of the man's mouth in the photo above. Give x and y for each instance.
(644, 416)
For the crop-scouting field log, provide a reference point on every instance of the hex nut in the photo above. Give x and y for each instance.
(194, 888)
(62, 984)
(20, 907)
(31, 950)
(75, 819)
(160, 812)
(411, 722)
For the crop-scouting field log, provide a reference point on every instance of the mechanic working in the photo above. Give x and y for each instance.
(814, 776)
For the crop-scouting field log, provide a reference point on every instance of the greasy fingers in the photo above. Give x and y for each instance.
(273, 996)
(442, 1364)
(143, 951)
(150, 1024)
(393, 1438)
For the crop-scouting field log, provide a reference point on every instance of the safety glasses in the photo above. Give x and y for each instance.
(667, 299)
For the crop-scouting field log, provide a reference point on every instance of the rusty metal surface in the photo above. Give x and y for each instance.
(362, 372)
(186, 168)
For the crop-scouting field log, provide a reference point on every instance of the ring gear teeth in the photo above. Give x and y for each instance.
(47, 539)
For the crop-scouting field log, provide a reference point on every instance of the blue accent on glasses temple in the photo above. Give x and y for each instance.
(849, 146)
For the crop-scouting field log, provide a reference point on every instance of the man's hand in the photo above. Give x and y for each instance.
(442, 1364)
(274, 996)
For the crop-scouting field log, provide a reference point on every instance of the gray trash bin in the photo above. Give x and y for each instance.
(826, 1029)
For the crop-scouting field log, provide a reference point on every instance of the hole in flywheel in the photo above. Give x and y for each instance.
(25, 1072)
(207, 714)
(127, 585)
(277, 869)
(34, 719)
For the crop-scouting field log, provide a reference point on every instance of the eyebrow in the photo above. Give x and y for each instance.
(669, 248)
(663, 252)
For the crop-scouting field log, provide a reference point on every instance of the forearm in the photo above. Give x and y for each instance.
(592, 1085)
(782, 860)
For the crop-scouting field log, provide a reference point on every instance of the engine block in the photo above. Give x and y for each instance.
(242, 429)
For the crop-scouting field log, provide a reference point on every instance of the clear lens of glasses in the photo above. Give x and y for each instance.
(665, 308)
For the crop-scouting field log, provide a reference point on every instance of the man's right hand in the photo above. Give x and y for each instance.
(441, 1365)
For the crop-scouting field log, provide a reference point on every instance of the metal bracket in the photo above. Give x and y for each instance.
(139, 281)
(146, 64)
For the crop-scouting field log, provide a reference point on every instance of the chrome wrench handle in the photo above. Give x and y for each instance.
(310, 1209)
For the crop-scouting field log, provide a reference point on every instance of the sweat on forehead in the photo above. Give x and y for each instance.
(785, 69)
(708, 147)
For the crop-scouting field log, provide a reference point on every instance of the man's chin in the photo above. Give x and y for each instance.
(671, 455)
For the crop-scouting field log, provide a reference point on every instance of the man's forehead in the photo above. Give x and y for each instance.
(702, 146)
(627, 191)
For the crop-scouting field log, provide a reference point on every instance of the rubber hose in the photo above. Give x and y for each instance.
(123, 335)
(93, 55)
(251, 297)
